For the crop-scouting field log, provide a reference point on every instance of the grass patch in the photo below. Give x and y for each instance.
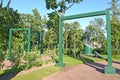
(89, 58)
(70, 61)
(116, 57)
(1, 72)
(39, 74)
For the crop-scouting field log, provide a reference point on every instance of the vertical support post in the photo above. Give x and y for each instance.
(39, 46)
(60, 55)
(10, 45)
(41, 40)
(23, 42)
(109, 69)
(29, 35)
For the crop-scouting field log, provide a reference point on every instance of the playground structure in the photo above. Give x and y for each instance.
(28, 33)
(109, 69)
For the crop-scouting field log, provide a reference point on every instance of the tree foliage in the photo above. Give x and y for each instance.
(95, 32)
(61, 6)
(115, 24)
(8, 18)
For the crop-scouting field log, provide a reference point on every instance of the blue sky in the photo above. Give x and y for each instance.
(26, 6)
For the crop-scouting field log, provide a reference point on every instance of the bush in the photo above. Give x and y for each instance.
(101, 51)
(1, 59)
(1, 56)
(116, 51)
(71, 52)
(65, 51)
(25, 60)
(51, 53)
(31, 59)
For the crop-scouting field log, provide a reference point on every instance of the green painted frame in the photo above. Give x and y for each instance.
(108, 69)
(10, 39)
(39, 40)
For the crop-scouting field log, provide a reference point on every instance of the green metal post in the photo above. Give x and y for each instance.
(60, 55)
(41, 41)
(23, 42)
(29, 35)
(10, 45)
(109, 69)
(39, 46)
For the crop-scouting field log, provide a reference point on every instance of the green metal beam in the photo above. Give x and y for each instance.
(97, 13)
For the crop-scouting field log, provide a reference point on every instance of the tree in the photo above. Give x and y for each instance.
(98, 27)
(60, 6)
(95, 32)
(115, 22)
(49, 39)
(75, 33)
(33, 21)
(8, 18)
(65, 35)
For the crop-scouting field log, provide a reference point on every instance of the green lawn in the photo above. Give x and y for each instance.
(39, 74)
(69, 61)
(116, 57)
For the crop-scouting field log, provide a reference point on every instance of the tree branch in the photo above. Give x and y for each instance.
(70, 6)
(57, 12)
(1, 2)
(8, 3)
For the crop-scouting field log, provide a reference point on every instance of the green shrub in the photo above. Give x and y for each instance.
(116, 51)
(72, 52)
(1, 56)
(51, 53)
(65, 51)
(31, 59)
(102, 51)
(25, 60)
(16, 56)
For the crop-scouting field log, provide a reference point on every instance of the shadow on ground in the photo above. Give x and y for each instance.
(8, 75)
(117, 62)
(98, 66)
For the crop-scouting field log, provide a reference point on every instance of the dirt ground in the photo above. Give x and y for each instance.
(88, 71)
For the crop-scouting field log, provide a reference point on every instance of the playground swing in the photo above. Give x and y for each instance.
(26, 35)
(109, 69)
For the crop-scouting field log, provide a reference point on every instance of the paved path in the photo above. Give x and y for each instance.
(88, 71)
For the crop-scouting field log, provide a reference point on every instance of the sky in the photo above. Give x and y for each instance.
(26, 6)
